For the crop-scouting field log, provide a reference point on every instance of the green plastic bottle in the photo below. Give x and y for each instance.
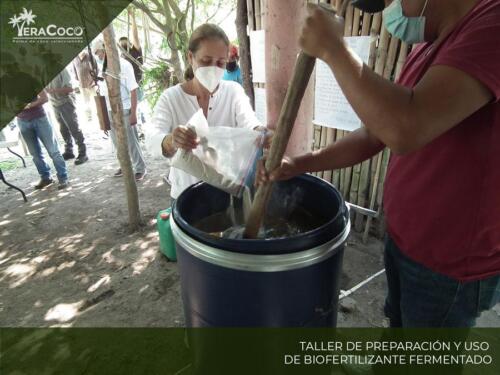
(167, 243)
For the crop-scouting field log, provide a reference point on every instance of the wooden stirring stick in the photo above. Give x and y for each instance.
(295, 92)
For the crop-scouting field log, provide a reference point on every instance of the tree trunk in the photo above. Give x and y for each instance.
(176, 64)
(245, 62)
(115, 99)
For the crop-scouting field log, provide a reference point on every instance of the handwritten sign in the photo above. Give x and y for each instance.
(331, 108)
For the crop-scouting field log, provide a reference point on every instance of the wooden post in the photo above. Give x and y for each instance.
(282, 48)
(245, 62)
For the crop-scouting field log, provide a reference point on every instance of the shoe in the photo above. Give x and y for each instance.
(81, 159)
(140, 176)
(43, 183)
(68, 155)
(118, 173)
(63, 185)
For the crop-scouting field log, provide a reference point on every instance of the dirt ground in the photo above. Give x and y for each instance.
(66, 258)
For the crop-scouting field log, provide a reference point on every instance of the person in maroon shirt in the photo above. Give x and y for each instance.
(441, 121)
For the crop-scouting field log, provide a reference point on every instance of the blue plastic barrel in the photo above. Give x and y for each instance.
(283, 282)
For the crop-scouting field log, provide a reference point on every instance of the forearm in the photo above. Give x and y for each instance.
(133, 102)
(384, 107)
(62, 90)
(352, 149)
(41, 100)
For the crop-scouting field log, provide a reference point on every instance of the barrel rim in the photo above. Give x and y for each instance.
(285, 243)
(257, 262)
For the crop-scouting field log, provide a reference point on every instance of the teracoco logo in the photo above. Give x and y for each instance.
(52, 33)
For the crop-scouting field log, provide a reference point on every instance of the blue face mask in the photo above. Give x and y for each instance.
(408, 29)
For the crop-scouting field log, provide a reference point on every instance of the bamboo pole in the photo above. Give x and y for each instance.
(251, 15)
(330, 133)
(258, 16)
(372, 199)
(391, 58)
(355, 22)
(403, 53)
(322, 144)
(365, 29)
(380, 188)
(349, 15)
(316, 143)
(336, 172)
(263, 8)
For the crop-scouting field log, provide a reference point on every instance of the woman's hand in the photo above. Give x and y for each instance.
(268, 135)
(285, 171)
(268, 139)
(185, 138)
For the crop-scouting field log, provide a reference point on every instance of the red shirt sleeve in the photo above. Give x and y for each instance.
(474, 46)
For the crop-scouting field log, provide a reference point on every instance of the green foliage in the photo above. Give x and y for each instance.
(155, 81)
(175, 20)
(10, 164)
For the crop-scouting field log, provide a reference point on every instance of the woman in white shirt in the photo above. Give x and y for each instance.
(224, 103)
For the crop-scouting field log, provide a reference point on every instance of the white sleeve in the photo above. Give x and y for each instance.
(162, 124)
(245, 115)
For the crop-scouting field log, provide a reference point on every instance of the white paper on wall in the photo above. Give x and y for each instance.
(331, 107)
(260, 105)
(258, 55)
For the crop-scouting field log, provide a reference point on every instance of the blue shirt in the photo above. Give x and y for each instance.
(233, 76)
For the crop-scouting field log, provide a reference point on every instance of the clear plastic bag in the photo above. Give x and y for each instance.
(225, 156)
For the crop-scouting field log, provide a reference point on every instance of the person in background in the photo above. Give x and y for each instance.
(128, 91)
(441, 120)
(32, 121)
(224, 103)
(82, 67)
(35, 129)
(232, 71)
(133, 48)
(63, 102)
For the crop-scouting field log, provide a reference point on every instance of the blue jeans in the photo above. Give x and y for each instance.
(420, 297)
(39, 130)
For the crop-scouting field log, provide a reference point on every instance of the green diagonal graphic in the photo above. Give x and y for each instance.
(39, 38)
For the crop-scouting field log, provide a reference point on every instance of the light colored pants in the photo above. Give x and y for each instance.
(89, 101)
(134, 148)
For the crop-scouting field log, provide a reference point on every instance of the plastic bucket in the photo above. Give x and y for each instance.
(284, 282)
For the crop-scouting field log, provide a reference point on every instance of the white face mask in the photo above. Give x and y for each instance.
(209, 76)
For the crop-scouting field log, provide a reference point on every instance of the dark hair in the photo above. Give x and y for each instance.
(122, 38)
(200, 34)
